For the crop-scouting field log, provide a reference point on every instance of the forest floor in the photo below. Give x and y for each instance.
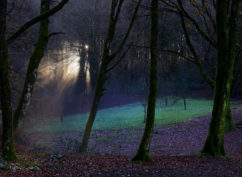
(174, 151)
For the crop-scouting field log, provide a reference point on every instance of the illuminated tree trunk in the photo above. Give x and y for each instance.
(144, 147)
(81, 85)
(34, 62)
(8, 151)
(214, 145)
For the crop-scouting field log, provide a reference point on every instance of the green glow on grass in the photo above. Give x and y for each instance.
(126, 116)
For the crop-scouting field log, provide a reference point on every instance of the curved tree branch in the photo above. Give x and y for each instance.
(184, 12)
(35, 20)
(128, 31)
(181, 55)
(194, 53)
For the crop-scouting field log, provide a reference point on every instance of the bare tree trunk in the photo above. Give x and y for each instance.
(101, 79)
(233, 35)
(230, 125)
(8, 151)
(97, 95)
(34, 62)
(144, 147)
(185, 103)
(214, 145)
(104, 67)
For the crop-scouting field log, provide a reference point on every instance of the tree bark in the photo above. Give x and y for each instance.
(230, 125)
(101, 78)
(214, 144)
(97, 96)
(33, 65)
(106, 60)
(8, 151)
(233, 36)
(144, 147)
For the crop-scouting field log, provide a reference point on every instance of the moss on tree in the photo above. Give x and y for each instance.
(8, 151)
(142, 154)
(214, 144)
(230, 125)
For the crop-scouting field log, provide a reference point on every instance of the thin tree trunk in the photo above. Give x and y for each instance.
(97, 96)
(144, 147)
(166, 101)
(104, 67)
(80, 86)
(100, 80)
(233, 35)
(8, 151)
(185, 103)
(214, 145)
(34, 62)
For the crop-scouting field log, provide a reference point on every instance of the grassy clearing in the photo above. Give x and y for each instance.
(126, 116)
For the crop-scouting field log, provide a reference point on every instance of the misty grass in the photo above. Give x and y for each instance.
(126, 116)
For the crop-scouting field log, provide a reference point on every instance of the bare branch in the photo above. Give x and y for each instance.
(209, 14)
(35, 20)
(119, 60)
(195, 55)
(181, 55)
(55, 33)
(128, 31)
(185, 13)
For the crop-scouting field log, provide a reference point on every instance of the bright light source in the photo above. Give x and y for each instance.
(86, 46)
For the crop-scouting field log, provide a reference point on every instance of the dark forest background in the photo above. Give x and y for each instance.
(68, 72)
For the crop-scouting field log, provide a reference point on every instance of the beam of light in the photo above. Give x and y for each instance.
(88, 77)
(61, 67)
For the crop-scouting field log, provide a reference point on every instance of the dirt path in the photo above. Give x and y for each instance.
(174, 148)
(175, 139)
